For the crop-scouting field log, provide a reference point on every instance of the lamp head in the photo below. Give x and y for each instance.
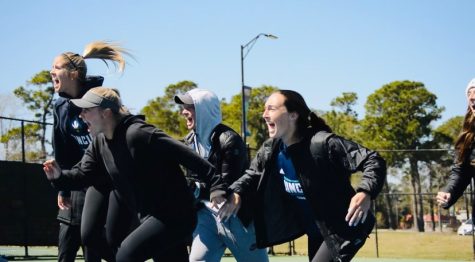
(270, 36)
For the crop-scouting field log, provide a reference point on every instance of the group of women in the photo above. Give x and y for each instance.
(138, 205)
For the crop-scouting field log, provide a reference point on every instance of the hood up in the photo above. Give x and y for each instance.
(207, 117)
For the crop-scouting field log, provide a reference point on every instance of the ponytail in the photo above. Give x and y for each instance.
(316, 123)
(106, 51)
(100, 50)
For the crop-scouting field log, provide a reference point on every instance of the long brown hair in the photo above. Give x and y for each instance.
(463, 144)
(308, 122)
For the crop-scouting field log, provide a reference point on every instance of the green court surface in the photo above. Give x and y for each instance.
(17, 253)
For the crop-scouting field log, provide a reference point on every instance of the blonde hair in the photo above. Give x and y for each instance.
(113, 95)
(105, 51)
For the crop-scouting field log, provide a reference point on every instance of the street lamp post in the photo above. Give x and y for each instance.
(249, 46)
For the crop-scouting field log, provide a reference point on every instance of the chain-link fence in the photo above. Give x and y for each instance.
(396, 208)
(25, 140)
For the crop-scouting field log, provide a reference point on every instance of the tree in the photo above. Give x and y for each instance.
(232, 114)
(444, 137)
(448, 131)
(399, 116)
(12, 143)
(164, 113)
(38, 98)
(437, 159)
(345, 121)
(345, 103)
(8, 108)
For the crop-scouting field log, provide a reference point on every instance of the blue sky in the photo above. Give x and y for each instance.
(324, 47)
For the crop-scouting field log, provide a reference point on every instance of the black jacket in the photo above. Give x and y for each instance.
(70, 141)
(229, 156)
(461, 174)
(143, 165)
(324, 164)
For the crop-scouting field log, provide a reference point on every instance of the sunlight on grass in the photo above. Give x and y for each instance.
(405, 244)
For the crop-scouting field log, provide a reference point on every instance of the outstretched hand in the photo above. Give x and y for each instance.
(230, 208)
(64, 203)
(358, 209)
(52, 169)
(443, 198)
(217, 201)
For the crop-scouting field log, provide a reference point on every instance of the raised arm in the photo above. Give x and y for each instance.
(172, 150)
(87, 172)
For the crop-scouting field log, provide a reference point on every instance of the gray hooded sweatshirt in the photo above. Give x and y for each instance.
(207, 117)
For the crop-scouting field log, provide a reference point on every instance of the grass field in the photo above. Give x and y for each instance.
(394, 246)
(429, 245)
(405, 244)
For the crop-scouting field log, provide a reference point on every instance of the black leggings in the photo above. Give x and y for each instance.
(125, 238)
(93, 222)
(319, 251)
(153, 239)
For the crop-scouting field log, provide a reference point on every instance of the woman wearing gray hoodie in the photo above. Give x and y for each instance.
(224, 148)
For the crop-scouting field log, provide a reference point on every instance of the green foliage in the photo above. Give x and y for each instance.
(344, 122)
(449, 130)
(345, 102)
(38, 98)
(232, 114)
(31, 133)
(12, 143)
(444, 137)
(399, 116)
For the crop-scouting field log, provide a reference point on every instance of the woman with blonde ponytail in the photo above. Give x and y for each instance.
(71, 138)
(150, 196)
(463, 168)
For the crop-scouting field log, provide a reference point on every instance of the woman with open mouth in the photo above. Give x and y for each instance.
(463, 168)
(301, 176)
(150, 196)
(71, 137)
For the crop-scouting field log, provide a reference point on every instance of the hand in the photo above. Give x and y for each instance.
(217, 201)
(64, 203)
(443, 198)
(230, 208)
(52, 169)
(358, 210)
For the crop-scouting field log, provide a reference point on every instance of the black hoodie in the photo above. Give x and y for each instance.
(70, 141)
(143, 164)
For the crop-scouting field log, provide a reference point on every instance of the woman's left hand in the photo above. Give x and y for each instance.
(358, 210)
(52, 169)
(230, 208)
